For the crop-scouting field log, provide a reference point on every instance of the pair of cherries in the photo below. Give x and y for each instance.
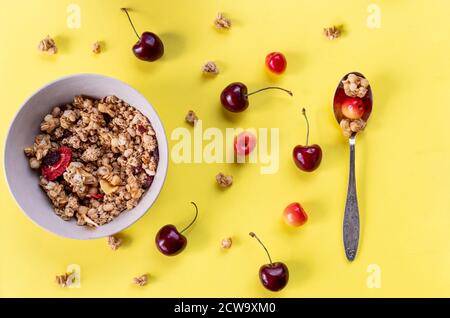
(171, 242)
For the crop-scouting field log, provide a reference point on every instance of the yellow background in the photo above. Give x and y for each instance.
(402, 158)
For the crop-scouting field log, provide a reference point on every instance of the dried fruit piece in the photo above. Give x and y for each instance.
(141, 280)
(96, 196)
(51, 158)
(332, 33)
(56, 169)
(226, 243)
(48, 46)
(223, 180)
(147, 182)
(191, 117)
(221, 22)
(210, 68)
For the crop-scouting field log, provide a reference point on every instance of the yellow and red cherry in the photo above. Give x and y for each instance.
(149, 46)
(170, 241)
(273, 276)
(353, 108)
(234, 97)
(276, 62)
(295, 215)
(307, 157)
(244, 143)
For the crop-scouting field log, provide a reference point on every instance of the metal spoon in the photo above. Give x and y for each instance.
(351, 226)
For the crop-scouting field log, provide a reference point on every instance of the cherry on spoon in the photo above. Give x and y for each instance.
(273, 276)
(234, 97)
(149, 46)
(170, 241)
(350, 108)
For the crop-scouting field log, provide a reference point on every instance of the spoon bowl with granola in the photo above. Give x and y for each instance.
(86, 156)
(352, 106)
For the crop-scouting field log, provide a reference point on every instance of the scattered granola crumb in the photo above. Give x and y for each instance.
(141, 280)
(210, 68)
(226, 243)
(332, 33)
(191, 117)
(48, 45)
(96, 47)
(355, 86)
(65, 279)
(114, 242)
(223, 180)
(222, 22)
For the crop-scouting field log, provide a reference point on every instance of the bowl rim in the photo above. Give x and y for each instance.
(163, 136)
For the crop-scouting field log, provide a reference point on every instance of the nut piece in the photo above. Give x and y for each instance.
(106, 187)
(65, 279)
(34, 163)
(191, 118)
(355, 86)
(141, 280)
(48, 46)
(223, 180)
(210, 68)
(332, 32)
(222, 22)
(114, 242)
(96, 47)
(226, 243)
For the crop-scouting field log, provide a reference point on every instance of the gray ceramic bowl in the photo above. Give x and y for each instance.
(24, 183)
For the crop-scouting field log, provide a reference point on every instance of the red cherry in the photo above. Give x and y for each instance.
(244, 143)
(149, 46)
(273, 276)
(276, 62)
(170, 241)
(234, 97)
(295, 215)
(353, 108)
(308, 157)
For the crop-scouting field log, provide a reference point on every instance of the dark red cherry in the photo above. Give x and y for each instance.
(149, 47)
(234, 97)
(170, 241)
(308, 157)
(273, 276)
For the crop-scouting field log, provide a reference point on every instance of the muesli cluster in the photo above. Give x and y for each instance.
(96, 158)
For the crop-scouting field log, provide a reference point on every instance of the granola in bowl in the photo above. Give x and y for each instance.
(95, 157)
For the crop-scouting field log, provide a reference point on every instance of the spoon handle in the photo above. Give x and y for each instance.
(351, 215)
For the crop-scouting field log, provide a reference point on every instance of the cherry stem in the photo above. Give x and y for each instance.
(271, 87)
(131, 22)
(254, 235)
(307, 125)
(195, 218)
